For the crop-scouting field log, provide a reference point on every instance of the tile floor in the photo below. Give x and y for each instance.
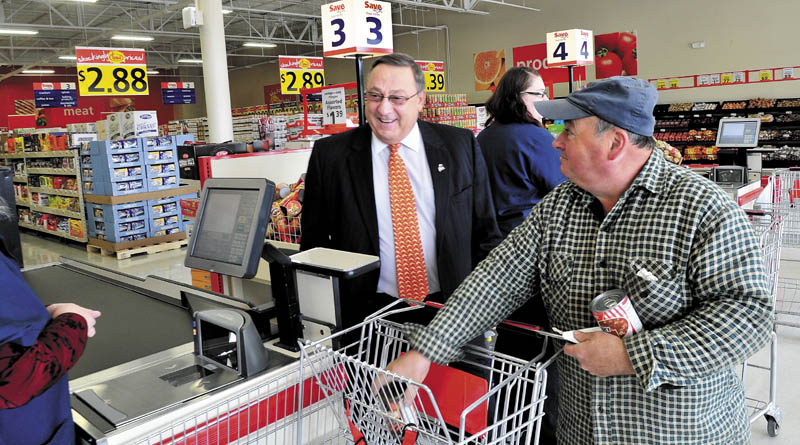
(42, 250)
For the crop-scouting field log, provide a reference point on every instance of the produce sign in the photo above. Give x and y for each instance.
(616, 55)
(300, 73)
(111, 71)
(55, 94)
(173, 93)
(489, 67)
(535, 57)
(761, 75)
(434, 74)
(351, 27)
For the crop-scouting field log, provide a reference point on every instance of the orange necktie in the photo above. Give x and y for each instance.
(412, 279)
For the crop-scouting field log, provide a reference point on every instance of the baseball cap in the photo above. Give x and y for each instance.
(626, 102)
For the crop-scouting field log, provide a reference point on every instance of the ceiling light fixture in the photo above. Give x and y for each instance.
(151, 72)
(260, 44)
(28, 32)
(136, 38)
(85, 1)
(190, 61)
(68, 57)
(38, 71)
(226, 11)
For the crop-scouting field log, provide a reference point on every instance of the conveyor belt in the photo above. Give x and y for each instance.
(133, 325)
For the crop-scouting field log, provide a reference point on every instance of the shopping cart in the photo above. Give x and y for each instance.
(785, 205)
(374, 406)
(770, 230)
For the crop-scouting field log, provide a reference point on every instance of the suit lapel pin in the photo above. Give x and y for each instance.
(441, 168)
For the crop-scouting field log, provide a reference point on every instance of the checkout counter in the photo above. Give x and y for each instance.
(176, 364)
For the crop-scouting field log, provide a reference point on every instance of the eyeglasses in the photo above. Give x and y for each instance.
(537, 94)
(395, 100)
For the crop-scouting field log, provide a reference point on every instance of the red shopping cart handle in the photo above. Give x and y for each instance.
(516, 324)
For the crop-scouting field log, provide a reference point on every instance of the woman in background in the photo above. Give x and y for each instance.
(523, 165)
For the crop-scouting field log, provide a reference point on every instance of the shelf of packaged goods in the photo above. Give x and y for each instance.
(50, 154)
(12, 155)
(23, 203)
(52, 232)
(55, 211)
(50, 191)
(53, 171)
(21, 178)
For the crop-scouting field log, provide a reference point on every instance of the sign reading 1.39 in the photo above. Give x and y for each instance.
(570, 47)
(111, 71)
(351, 27)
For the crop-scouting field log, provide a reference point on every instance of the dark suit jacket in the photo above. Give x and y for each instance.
(339, 205)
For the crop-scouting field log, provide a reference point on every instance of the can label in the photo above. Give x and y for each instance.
(615, 314)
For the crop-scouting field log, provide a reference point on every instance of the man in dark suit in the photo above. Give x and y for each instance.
(347, 203)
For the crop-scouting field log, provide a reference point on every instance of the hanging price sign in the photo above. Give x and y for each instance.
(300, 72)
(765, 75)
(727, 78)
(434, 74)
(111, 71)
(351, 27)
(570, 47)
(673, 83)
(661, 84)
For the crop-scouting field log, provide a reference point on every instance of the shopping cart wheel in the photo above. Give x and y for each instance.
(772, 426)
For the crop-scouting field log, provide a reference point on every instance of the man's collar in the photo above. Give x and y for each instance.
(649, 177)
(413, 140)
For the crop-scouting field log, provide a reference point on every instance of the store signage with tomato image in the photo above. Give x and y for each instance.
(572, 47)
(353, 27)
(489, 67)
(615, 55)
(300, 73)
(535, 57)
(434, 74)
(111, 71)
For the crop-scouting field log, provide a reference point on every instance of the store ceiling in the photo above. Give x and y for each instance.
(292, 24)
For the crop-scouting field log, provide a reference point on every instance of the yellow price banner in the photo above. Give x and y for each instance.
(299, 73)
(661, 84)
(673, 83)
(765, 75)
(727, 78)
(434, 75)
(111, 72)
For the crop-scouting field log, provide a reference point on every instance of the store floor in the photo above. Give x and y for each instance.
(39, 250)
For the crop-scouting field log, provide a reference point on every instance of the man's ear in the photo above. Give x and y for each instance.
(618, 140)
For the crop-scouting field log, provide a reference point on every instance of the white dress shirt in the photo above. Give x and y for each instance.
(413, 153)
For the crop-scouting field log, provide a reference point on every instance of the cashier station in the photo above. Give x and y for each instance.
(161, 344)
(741, 134)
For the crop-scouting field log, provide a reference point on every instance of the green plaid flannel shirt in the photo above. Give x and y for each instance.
(708, 309)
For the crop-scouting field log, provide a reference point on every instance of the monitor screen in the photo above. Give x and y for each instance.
(222, 149)
(219, 344)
(230, 226)
(729, 175)
(738, 132)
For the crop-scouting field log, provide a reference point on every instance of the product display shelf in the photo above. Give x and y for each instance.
(32, 156)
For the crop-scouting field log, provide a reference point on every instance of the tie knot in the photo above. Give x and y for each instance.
(394, 147)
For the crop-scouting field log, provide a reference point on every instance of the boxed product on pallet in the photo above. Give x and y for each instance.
(118, 222)
(163, 207)
(139, 124)
(114, 126)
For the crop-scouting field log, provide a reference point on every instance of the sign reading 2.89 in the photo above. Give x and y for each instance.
(111, 72)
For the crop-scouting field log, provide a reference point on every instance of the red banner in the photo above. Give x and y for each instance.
(535, 57)
(115, 56)
(300, 63)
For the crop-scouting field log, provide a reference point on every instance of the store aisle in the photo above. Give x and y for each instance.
(38, 250)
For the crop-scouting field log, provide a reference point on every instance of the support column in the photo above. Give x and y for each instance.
(215, 72)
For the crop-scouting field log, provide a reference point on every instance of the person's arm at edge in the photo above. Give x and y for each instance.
(485, 231)
(729, 325)
(313, 217)
(26, 372)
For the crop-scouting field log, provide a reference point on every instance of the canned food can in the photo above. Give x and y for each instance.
(614, 312)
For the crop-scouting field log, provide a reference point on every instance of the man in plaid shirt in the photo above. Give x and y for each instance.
(675, 242)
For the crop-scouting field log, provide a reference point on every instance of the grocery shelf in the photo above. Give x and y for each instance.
(50, 154)
(52, 232)
(23, 203)
(21, 178)
(49, 191)
(55, 211)
(12, 155)
(53, 171)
